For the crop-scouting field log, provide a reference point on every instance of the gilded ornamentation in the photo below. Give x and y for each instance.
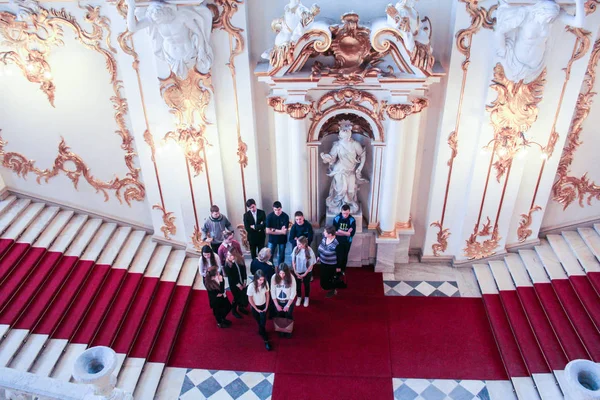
(244, 236)
(442, 239)
(523, 231)
(49, 24)
(278, 104)
(590, 6)
(567, 188)
(512, 114)
(188, 99)
(453, 143)
(348, 98)
(401, 111)
(476, 250)
(168, 218)
(298, 110)
(241, 153)
(197, 241)
(480, 18)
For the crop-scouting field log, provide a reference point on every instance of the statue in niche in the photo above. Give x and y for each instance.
(346, 161)
(404, 17)
(289, 29)
(522, 34)
(180, 36)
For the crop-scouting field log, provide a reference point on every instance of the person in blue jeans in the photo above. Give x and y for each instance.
(277, 229)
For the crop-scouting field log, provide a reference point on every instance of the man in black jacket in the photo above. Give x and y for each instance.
(254, 223)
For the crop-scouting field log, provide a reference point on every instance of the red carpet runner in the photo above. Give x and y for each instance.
(349, 346)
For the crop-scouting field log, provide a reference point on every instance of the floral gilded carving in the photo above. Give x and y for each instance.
(39, 22)
(188, 99)
(512, 114)
(476, 250)
(523, 231)
(567, 188)
(244, 236)
(401, 111)
(442, 239)
(168, 218)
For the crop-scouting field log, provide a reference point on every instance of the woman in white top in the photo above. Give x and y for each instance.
(303, 261)
(283, 292)
(258, 297)
(208, 260)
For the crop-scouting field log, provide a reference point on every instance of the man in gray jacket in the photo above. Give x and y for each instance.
(212, 230)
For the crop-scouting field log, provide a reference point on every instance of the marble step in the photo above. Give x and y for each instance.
(584, 255)
(591, 239)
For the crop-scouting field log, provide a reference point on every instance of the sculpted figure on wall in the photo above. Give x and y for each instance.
(346, 161)
(180, 35)
(289, 29)
(404, 17)
(522, 34)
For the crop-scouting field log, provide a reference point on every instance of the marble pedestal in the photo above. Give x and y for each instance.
(362, 251)
(358, 217)
(391, 251)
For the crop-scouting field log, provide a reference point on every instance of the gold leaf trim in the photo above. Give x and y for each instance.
(168, 218)
(442, 239)
(523, 231)
(477, 250)
(52, 22)
(244, 236)
(197, 241)
(400, 111)
(568, 188)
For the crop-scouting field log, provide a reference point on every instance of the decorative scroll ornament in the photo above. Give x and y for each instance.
(480, 18)
(197, 241)
(453, 143)
(180, 35)
(168, 218)
(442, 239)
(39, 22)
(512, 114)
(476, 250)
(415, 33)
(522, 34)
(590, 6)
(278, 104)
(289, 28)
(188, 100)
(523, 231)
(244, 236)
(567, 188)
(401, 111)
(348, 98)
(298, 110)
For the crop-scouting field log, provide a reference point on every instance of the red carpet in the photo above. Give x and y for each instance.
(359, 338)
(509, 349)
(12, 283)
(588, 296)
(578, 316)
(10, 259)
(574, 348)
(595, 280)
(130, 327)
(526, 340)
(544, 333)
(316, 387)
(5, 245)
(117, 312)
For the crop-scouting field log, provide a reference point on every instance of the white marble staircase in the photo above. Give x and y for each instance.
(544, 309)
(69, 282)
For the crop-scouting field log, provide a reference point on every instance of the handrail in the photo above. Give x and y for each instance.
(14, 383)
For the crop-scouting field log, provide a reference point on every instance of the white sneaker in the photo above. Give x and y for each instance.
(306, 302)
(298, 302)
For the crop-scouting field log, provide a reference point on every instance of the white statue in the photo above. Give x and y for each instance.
(180, 36)
(346, 161)
(289, 29)
(522, 35)
(404, 17)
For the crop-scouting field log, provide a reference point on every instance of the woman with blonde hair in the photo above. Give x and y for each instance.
(283, 292)
(303, 261)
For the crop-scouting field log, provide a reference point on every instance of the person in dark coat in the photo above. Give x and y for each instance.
(235, 269)
(217, 298)
(255, 224)
(262, 263)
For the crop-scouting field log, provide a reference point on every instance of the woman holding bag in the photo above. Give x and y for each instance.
(283, 292)
(303, 261)
(258, 297)
(235, 269)
(217, 298)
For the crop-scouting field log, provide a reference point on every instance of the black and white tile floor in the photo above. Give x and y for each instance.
(421, 288)
(224, 385)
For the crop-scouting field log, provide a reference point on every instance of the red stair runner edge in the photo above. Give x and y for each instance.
(42, 293)
(170, 328)
(115, 316)
(578, 316)
(509, 351)
(19, 275)
(81, 302)
(11, 258)
(565, 331)
(135, 316)
(5, 245)
(546, 337)
(595, 280)
(150, 328)
(588, 296)
(59, 305)
(105, 298)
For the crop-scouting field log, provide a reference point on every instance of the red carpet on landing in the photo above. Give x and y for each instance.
(355, 342)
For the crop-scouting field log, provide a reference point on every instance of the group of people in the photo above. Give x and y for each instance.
(276, 287)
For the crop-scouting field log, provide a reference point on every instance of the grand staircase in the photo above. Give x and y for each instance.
(543, 306)
(69, 282)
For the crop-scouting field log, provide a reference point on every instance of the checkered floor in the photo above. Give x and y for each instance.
(439, 389)
(421, 288)
(224, 385)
